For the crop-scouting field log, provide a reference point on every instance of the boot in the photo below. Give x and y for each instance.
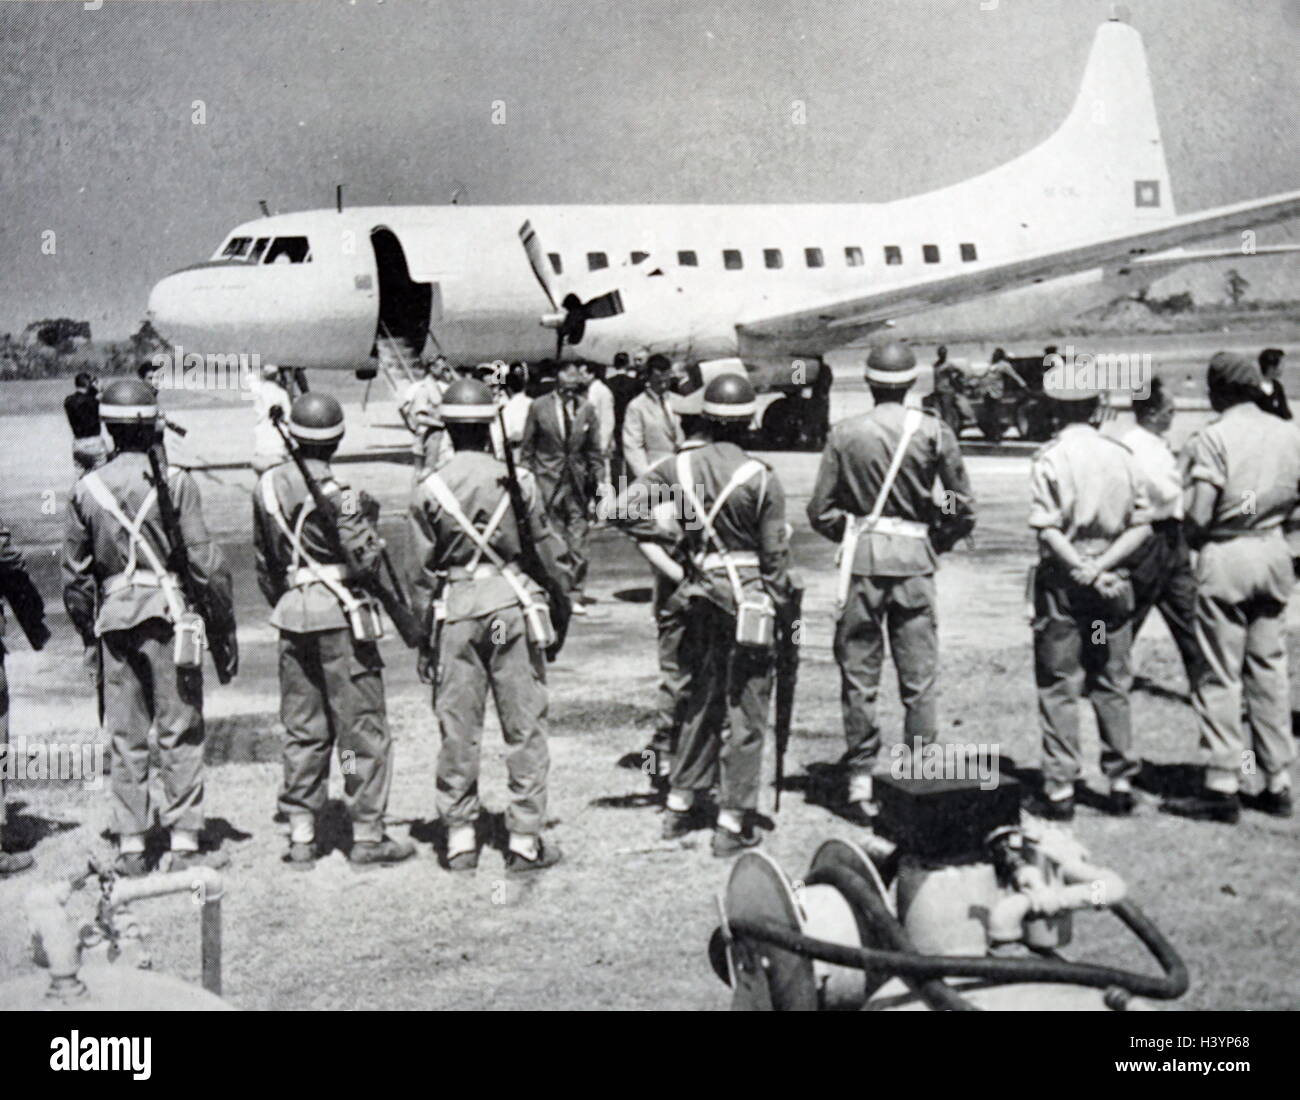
(1206, 806)
(381, 853)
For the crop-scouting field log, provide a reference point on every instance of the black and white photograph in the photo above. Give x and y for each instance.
(561, 506)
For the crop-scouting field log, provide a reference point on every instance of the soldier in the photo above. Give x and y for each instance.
(1245, 483)
(331, 679)
(115, 558)
(730, 510)
(1092, 516)
(637, 514)
(1162, 573)
(874, 495)
(486, 629)
(15, 587)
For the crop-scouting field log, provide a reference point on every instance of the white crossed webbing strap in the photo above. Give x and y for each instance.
(852, 529)
(134, 528)
(740, 475)
(271, 500)
(483, 548)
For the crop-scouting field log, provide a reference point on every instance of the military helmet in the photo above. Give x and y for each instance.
(128, 400)
(891, 364)
(730, 397)
(468, 401)
(316, 418)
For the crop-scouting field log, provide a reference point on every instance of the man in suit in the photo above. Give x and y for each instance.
(651, 429)
(561, 446)
(1272, 396)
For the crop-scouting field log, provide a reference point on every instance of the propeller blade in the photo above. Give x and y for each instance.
(603, 305)
(537, 260)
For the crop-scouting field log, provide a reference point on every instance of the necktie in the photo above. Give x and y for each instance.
(566, 418)
(670, 420)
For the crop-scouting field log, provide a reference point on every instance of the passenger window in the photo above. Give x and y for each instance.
(289, 250)
(731, 259)
(930, 253)
(557, 264)
(968, 254)
(258, 249)
(772, 258)
(236, 248)
(637, 257)
(687, 259)
(893, 255)
(813, 257)
(596, 261)
(853, 256)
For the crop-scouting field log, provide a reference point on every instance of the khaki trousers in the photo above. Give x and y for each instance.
(332, 697)
(491, 652)
(143, 688)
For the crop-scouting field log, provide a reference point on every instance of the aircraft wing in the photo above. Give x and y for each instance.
(1181, 257)
(876, 308)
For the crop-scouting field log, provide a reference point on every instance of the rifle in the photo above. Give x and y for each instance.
(179, 563)
(530, 559)
(391, 595)
(787, 676)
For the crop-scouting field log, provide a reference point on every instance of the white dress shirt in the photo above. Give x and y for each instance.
(1160, 472)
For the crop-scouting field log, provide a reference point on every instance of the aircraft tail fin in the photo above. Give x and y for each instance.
(1103, 171)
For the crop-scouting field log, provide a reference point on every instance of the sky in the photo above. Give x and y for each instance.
(639, 101)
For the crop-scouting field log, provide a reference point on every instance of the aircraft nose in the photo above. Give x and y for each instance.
(172, 308)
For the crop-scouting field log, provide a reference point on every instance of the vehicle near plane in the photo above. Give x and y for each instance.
(1082, 219)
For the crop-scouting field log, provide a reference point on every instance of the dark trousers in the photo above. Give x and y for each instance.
(726, 683)
(569, 514)
(1164, 579)
(902, 608)
(1079, 649)
(143, 688)
(332, 696)
(670, 625)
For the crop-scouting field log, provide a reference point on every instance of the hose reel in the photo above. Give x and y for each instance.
(835, 940)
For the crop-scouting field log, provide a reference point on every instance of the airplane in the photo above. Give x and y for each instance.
(1082, 219)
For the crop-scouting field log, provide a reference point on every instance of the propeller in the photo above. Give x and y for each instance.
(569, 316)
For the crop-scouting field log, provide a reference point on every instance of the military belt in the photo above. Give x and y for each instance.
(299, 578)
(741, 559)
(891, 525)
(141, 578)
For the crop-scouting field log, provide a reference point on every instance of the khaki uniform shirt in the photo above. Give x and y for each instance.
(478, 482)
(96, 547)
(852, 470)
(1088, 486)
(1253, 459)
(309, 607)
(752, 520)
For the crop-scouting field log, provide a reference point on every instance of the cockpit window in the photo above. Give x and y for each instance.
(258, 249)
(288, 250)
(236, 248)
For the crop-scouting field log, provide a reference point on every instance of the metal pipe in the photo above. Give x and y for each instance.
(55, 937)
(207, 888)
